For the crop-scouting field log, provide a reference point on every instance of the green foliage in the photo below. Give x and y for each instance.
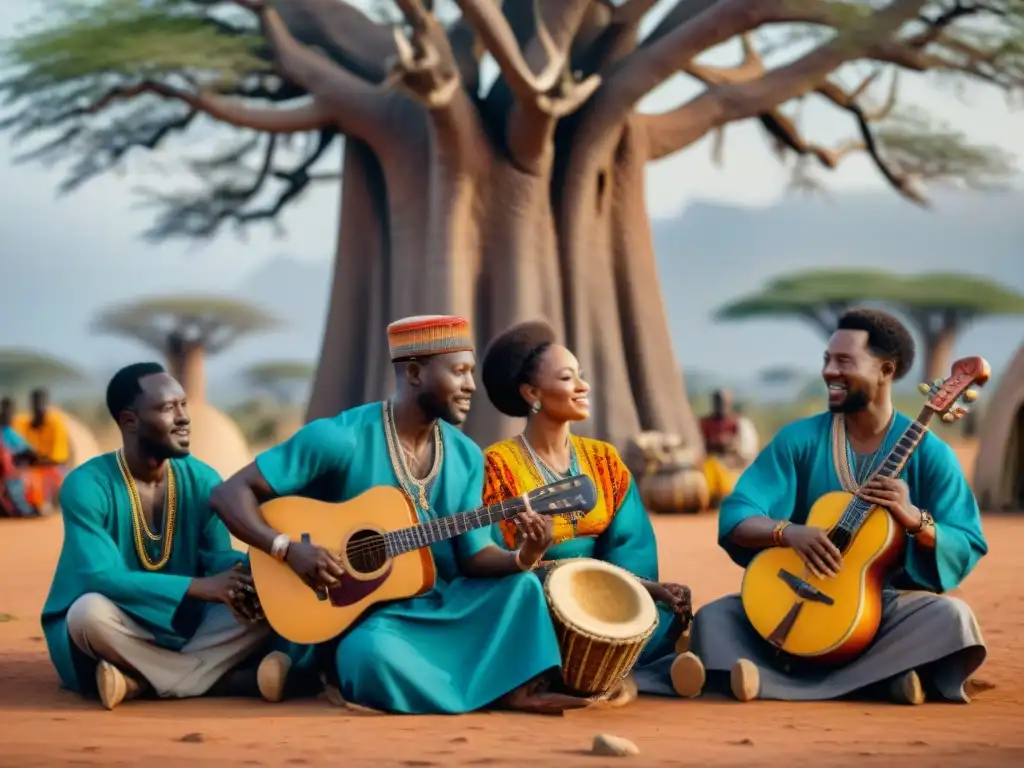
(210, 321)
(926, 149)
(57, 72)
(24, 369)
(820, 294)
(281, 378)
(128, 38)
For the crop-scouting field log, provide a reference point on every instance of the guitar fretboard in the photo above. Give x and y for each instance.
(857, 511)
(419, 536)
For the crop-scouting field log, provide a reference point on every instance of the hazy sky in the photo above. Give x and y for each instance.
(91, 237)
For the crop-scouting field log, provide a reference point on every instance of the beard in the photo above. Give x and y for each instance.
(854, 402)
(161, 451)
(435, 408)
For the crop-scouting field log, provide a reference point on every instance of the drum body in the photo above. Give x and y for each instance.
(603, 616)
(675, 491)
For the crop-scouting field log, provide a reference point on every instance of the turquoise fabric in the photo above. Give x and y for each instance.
(468, 641)
(98, 555)
(796, 468)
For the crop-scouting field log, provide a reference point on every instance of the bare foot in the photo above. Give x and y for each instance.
(535, 697)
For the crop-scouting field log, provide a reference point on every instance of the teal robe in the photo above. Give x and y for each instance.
(98, 555)
(797, 467)
(459, 647)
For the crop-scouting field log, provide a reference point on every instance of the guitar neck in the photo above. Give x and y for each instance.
(419, 536)
(904, 448)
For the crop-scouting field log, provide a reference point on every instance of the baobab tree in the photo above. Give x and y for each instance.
(524, 199)
(939, 306)
(281, 378)
(185, 330)
(24, 369)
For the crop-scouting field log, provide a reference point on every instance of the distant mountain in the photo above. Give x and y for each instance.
(710, 254)
(714, 252)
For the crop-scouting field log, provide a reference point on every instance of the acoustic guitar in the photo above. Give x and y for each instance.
(832, 620)
(383, 550)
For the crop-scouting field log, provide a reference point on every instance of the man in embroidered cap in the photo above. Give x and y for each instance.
(413, 656)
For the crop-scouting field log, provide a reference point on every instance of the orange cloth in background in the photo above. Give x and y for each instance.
(49, 440)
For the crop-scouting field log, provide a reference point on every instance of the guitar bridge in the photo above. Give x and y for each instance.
(806, 592)
(804, 589)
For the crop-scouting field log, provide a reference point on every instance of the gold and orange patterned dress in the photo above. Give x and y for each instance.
(617, 530)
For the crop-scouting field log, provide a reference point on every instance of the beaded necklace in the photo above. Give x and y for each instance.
(140, 528)
(418, 490)
(548, 475)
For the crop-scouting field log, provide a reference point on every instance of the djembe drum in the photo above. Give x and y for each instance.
(603, 618)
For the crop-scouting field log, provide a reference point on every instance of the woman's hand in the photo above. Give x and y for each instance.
(538, 534)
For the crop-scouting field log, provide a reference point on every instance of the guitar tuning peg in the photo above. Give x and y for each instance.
(960, 412)
(948, 417)
(971, 395)
(937, 383)
(924, 388)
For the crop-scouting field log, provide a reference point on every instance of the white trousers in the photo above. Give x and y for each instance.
(103, 631)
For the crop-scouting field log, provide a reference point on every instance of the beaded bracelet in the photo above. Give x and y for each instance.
(777, 532)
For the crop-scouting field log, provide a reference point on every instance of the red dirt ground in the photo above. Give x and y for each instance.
(41, 725)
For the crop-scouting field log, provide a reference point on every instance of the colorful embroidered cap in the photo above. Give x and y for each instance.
(428, 335)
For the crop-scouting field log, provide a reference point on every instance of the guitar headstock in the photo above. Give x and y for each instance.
(949, 397)
(574, 494)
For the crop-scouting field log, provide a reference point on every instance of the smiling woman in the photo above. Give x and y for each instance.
(528, 374)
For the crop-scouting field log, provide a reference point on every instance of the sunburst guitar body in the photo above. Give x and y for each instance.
(834, 619)
(382, 547)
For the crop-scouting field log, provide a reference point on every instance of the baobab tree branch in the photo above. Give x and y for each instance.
(737, 101)
(308, 117)
(424, 65)
(358, 106)
(542, 98)
(694, 27)
(667, 132)
(227, 201)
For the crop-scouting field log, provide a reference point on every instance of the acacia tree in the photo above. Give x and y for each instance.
(280, 378)
(185, 330)
(939, 306)
(24, 369)
(520, 200)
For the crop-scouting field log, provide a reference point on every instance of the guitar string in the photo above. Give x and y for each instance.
(853, 516)
(474, 516)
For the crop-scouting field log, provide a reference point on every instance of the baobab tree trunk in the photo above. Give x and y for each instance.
(187, 363)
(938, 354)
(506, 256)
(462, 212)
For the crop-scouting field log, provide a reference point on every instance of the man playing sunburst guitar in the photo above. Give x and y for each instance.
(926, 642)
(468, 643)
(148, 593)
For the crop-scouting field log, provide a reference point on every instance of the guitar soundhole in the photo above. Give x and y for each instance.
(366, 552)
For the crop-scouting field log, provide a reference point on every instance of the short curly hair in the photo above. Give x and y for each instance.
(510, 361)
(888, 338)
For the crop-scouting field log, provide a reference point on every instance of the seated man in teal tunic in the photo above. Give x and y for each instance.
(928, 643)
(482, 637)
(148, 593)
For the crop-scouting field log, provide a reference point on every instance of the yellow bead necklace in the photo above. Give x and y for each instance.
(140, 528)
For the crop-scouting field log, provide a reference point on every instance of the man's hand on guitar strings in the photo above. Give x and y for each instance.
(894, 495)
(822, 558)
(315, 565)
